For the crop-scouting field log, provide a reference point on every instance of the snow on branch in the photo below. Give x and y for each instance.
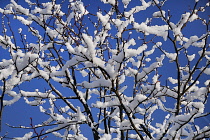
(106, 69)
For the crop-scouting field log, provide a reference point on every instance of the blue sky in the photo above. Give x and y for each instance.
(20, 113)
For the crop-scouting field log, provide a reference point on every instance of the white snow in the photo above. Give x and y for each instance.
(143, 75)
(148, 59)
(42, 109)
(110, 103)
(121, 25)
(193, 17)
(104, 20)
(52, 33)
(29, 2)
(180, 24)
(97, 83)
(191, 41)
(125, 3)
(207, 82)
(137, 9)
(70, 48)
(80, 116)
(112, 2)
(6, 11)
(172, 80)
(6, 72)
(23, 20)
(98, 62)
(156, 30)
(171, 56)
(35, 102)
(111, 70)
(199, 106)
(159, 14)
(106, 137)
(47, 10)
(155, 79)
(133, 52)
(57, 134)
(140, 98)
(37, 94)
(78, 6)
(19, 30)
(27, 136)
(90, 44)
(18, 8)
(15, 96)
(84, 73)
(106, 53)
(206, 71)
(147, 53)
(191, 57)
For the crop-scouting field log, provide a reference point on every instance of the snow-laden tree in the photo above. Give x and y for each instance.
(129, 69)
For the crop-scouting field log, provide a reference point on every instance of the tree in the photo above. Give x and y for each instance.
(121, 65)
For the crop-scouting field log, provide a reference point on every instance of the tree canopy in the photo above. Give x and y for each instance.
(119, 69)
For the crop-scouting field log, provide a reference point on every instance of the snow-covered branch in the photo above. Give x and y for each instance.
(125, 70)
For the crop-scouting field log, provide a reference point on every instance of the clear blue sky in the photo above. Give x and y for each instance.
(20, 113)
